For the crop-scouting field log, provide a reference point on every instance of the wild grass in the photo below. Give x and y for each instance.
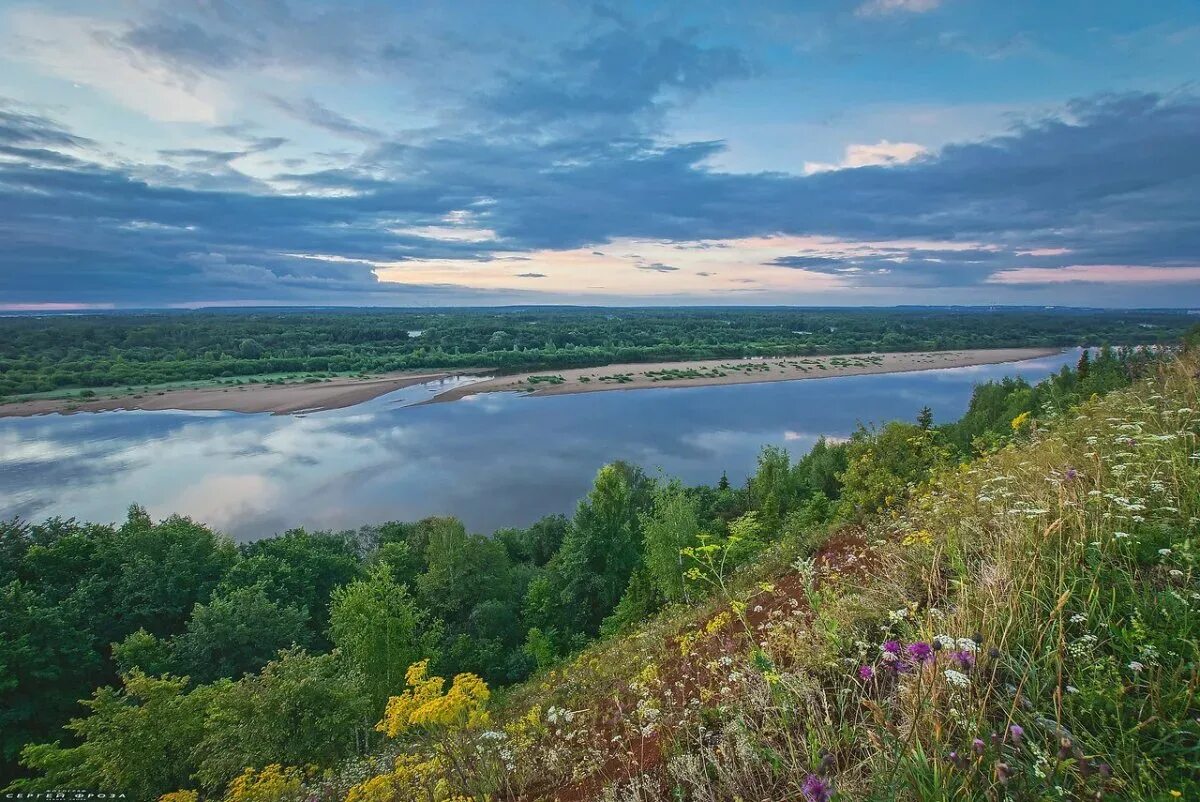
(1026, 626)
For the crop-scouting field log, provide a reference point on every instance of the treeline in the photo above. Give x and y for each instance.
(48, 353)
(197, 658)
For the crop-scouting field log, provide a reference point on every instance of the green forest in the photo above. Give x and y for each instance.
(40, 354)
(158, 656)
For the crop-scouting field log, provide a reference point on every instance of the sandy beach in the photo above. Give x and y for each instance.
(278, 399)
(733, 371)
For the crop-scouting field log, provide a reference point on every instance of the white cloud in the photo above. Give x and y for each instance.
(86, 51)
(882, 153)
(875, 8)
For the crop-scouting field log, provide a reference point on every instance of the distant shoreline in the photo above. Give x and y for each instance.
(277, 399)
(338, 393)
(744, 370)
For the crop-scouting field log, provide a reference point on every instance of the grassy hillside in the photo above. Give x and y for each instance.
(1024, 627)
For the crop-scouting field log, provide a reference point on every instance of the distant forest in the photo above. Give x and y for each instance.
(56, 352)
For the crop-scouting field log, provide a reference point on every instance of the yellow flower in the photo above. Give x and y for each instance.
(273, 784)
(920, 537)
(179, 796)
(425, 705)
(410, 778)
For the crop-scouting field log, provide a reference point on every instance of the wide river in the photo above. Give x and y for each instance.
(493, 460)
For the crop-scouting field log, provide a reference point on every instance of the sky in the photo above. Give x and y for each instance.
(185, 153)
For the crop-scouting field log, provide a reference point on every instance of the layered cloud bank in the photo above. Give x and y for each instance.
(555, 175)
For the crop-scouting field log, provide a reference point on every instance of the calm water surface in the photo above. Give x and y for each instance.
(493, 460)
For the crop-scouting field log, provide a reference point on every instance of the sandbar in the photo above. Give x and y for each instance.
(743, 370)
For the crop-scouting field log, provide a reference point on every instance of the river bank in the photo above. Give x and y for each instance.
(274, 398)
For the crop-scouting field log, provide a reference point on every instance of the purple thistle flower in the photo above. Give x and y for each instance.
(1016, 732)
(965, 659)
(978, 746)
(920, 652)
(866, 673)
(815, 789)
(892, 647)
(1071, 474)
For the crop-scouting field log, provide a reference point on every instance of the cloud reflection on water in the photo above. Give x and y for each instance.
(494, 460)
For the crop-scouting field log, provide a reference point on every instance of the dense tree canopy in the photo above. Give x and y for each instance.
(48, 353)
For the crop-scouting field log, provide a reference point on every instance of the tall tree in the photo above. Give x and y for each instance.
(671, 524)
(601, 549)
(378, 629)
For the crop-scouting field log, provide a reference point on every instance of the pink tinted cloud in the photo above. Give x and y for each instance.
(52, 307)
(1096, 274)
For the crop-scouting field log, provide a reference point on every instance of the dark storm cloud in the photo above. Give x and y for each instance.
(622, 72)
(1115, 180)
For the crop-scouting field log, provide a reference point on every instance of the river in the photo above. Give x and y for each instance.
(493, 460)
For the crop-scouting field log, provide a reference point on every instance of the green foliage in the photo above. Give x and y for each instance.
(601, 549)
(671, 524)
(138, 739)
(882, 466)
(378, 629)
(300, 709)
(235, 633)
(141, 651)
(298, 569)
(45, 659)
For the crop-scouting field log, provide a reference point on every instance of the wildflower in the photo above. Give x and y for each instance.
(815, 789)
(978, 746)
(892, 647)
(957, 678)
(965, 659)
(1135, 666)
(1164, 552)
(1078, 618)
(1003, 773)
(920, 652)
(1071, 474)
(1017, 733)
(866, 673)
(968, 644)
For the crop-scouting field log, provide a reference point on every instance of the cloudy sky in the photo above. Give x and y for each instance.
(225, 152)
